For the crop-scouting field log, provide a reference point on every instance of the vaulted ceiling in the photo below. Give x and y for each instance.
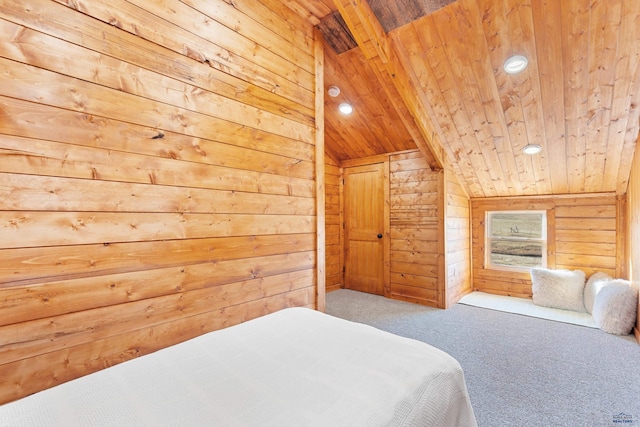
(429, 74)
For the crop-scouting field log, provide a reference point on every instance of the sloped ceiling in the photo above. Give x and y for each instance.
(438, 83)
(376, 127)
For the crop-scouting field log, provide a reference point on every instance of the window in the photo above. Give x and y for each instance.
(516, 239)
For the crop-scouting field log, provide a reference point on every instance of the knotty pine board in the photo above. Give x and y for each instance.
(158, 177)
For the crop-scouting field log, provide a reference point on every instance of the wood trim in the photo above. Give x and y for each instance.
(380, 158)
(387, 231)
(442, 241)
(621, 233)
(320, 179)
(551, 238)
(632, 231)
(342, 219)
(365, 161)
(471, 254)
(545, 197)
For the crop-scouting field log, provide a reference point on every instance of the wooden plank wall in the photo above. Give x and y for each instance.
(414, 193)
(584, 232)
(632, 254)
(457, 239)
(429, 215)
(157, 170)
(334, 230)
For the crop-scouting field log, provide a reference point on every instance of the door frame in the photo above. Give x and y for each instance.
(386, 235)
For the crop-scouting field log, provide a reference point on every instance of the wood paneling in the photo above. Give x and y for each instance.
(159, 167)
(398, 83)
(321, 250)
(333, 215)
(578, 99)
(582, 233)
(456, 236)
(632, 241)
(414, 191)
(430, 257)
(313, 10)
(372, 128)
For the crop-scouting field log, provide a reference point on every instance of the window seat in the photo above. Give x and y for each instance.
(526, 307)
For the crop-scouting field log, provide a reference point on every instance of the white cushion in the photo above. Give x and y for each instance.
(615, 307)
(562, 289)
(593, 286)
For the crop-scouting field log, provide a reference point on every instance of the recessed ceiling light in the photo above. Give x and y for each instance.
(515, 64)
(333, 91)
(532, 149)
(345, 108)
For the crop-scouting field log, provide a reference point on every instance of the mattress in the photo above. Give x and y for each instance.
(296, 367)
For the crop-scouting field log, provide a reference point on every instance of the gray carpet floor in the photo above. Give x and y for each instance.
(520, 371)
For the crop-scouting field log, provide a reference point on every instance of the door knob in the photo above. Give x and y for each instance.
(379, 236)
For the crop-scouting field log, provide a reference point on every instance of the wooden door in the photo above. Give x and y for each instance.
(366, 233)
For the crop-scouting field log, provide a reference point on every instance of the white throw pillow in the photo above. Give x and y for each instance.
(562, 289)
(593, 286)
(615, 307)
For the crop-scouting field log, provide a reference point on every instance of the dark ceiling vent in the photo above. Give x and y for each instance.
(336, 33)
(394, 14)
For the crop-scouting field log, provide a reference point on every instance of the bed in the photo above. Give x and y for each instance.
(295, 367)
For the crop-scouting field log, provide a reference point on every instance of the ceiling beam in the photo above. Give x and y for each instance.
(380, 50)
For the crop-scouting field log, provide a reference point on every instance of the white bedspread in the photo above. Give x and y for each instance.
(297, 367)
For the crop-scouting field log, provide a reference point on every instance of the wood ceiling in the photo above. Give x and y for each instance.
(437, 83)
